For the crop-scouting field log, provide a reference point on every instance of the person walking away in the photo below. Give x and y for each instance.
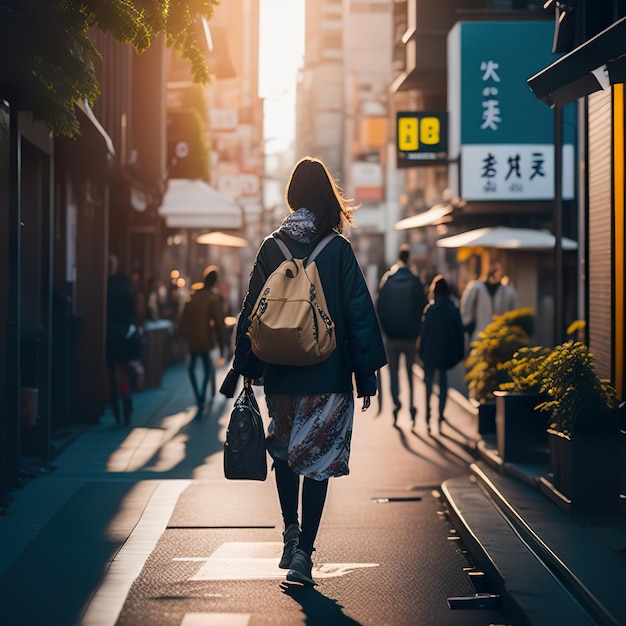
(123, 342)
(400, 305)
(442, 343)
(482, 300)
(312, 406)
(202, 328)
(140, 297)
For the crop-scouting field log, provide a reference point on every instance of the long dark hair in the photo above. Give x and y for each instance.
(438, 288)
(311, 185)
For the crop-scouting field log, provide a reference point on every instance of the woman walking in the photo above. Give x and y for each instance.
(442, 343)
(312, 407)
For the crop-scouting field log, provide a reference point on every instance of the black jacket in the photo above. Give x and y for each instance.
(400, 304)
(359, 344)
(442, 339)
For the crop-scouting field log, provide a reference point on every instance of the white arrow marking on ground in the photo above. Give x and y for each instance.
(257, 561)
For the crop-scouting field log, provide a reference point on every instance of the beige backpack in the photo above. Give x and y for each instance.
(290, 323)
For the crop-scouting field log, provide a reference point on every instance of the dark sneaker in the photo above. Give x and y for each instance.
(291, 536)
(300, 569)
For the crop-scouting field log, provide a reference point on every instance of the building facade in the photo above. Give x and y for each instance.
(69, 204)
(437, 69)
(592, 72)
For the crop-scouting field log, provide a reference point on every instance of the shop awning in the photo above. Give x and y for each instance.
(437, 214)
(217, 238)
(505, 238)
(83, 106)
(195, 204)
(592, 66)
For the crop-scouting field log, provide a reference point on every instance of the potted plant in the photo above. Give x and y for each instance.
(495, 345)
(520, 430)
(583, 430)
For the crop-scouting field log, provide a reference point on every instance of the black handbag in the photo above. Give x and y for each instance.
(244, 449)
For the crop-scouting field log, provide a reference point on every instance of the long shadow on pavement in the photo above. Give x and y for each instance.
(441, 448)
(318, 609)
(407, 446)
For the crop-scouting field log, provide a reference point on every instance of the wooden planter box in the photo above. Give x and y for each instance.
(585, 471)
(521, 434)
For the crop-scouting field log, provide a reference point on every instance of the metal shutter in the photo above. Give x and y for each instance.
(600, 275)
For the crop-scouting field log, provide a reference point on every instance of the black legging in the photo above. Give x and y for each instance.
(207, 374)
(313, 499)
(429, 380)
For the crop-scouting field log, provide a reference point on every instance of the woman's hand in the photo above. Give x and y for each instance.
(366, 403)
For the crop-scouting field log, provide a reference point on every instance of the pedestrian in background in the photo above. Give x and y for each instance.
(123, 342)
(140, 297)
(400, 305)
(312, 406)
(483, 299)
(442, 343)
(202, 328)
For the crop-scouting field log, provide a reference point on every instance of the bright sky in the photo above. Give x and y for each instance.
(280, 56)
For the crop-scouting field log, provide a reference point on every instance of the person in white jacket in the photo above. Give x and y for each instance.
(482, 300)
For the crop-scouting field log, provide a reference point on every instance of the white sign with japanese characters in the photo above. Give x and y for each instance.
(512, 172)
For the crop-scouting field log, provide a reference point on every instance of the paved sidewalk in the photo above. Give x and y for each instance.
(514, 532)
(520, 537)
(104, 450)
(77, 538)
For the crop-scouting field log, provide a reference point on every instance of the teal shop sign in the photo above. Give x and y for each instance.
(496, 60)
(506, 138)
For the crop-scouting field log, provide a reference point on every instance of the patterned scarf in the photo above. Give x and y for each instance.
(300, 226)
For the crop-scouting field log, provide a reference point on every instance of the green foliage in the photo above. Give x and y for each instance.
(580, 403)
(52, 58)
(523, 370)
(187, 125)
(496, 345)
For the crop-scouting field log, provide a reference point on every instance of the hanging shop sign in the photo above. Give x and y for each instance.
(503, 137)
(421, 138)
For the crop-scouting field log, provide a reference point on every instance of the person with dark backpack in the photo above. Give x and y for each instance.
(400, 304)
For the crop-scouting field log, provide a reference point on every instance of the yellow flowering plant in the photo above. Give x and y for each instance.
(496, 345)
(523, 370)
(580, 404)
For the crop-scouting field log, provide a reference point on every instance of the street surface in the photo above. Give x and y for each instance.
(150, 532)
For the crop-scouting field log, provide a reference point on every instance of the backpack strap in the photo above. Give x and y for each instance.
(283, 248)
(318, 248)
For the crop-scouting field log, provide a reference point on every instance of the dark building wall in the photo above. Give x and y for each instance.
(91, 255)
(7, 311)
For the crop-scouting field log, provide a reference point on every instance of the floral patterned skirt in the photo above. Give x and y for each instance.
(312, 433)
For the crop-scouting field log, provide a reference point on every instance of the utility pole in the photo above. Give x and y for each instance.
(558, 225)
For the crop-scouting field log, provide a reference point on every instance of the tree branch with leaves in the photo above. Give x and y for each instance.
(49, 59)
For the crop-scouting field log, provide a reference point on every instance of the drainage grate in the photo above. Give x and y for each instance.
(400, 499)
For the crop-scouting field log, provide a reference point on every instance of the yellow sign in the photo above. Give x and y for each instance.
(421, 138)
(412, 130)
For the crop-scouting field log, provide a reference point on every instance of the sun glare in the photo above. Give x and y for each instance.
(280, 55)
